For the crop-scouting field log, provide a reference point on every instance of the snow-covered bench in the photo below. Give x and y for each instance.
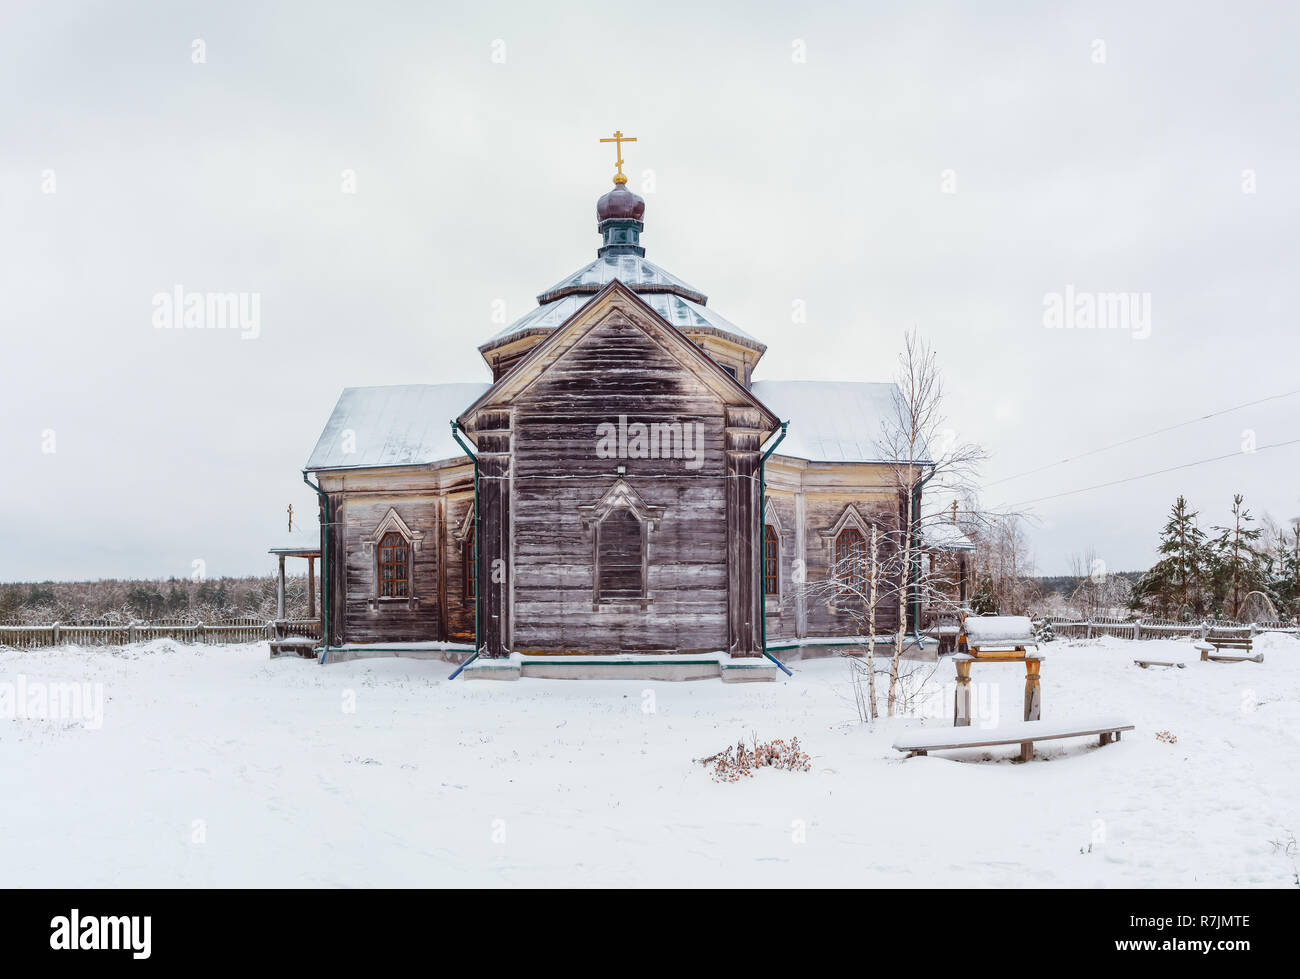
(1213, 649)
(304, 646)
(1023, 733)
(1144, 663)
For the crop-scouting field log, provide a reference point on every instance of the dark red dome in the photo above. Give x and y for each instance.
(620, 203)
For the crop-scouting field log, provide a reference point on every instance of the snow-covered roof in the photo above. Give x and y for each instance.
(408, 424)
(632, 270)
(832, 421)
(944, 535)
(680, 312)
(305, 536)
(393, 425)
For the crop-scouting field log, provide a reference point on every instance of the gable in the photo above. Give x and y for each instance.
(639, 346)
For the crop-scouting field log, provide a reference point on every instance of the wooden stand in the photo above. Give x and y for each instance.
(961, 710)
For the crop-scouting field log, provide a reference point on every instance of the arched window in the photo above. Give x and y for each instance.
(394, 566)
(469, 566)
(620, 523)
(771, 553)
(851, 560)
(621, 556)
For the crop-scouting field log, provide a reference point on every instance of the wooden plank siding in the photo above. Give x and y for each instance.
(368, 617)
(544, 489)
(617, 370)
(433, 502)
(809, 499)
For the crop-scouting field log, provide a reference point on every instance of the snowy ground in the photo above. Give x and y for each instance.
(215, 766)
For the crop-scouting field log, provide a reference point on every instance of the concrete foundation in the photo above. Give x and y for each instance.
(627, 667)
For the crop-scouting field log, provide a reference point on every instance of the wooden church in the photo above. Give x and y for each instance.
(623, 498)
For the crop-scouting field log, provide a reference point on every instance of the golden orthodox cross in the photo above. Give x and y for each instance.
(619, 139)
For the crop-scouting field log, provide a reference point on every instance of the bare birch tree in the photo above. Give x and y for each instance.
(922, 449)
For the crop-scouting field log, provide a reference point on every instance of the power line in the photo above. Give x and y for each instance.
(1138, 438)
(1158, 472)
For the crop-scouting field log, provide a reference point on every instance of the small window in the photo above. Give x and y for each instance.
(394, 566)
(771, 552)
(851, 561)
(729, 369)
(469, 566)
(620, 553)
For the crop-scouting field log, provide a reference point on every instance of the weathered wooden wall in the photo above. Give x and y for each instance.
(616, 370)
(459, 607)
(432, 502)
(809, 500)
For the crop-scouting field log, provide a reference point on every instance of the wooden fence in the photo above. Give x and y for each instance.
(1160, 628)
(101, 633)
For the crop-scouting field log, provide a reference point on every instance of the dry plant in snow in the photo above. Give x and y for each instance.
(733, 763)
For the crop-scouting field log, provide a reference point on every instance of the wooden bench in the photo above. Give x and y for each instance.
(303, 646)
(1023, 733)
(1212, 650)
(1144, 663)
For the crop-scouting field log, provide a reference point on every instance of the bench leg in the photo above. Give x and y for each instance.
(1205, 655)
(1026, 750)
(1104, 738)
(1033, 691)
(961, 698)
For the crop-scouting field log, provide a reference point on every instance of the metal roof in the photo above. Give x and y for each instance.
(944, 535)
(680, 312)
(833, 421)
(632, 270)
(408, 424)
(393, 425)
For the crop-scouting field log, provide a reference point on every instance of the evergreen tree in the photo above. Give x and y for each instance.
(1286, 581)
(984, 601)
(1177, 583)
(1239, 565)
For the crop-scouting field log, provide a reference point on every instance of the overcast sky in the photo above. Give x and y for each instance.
(943, 166)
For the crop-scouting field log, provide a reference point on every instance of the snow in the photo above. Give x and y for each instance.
(683, 313)
(632, 270)
(381, 772)
(393, 425)
(944, 535)
(430, 646)
(833, 421)
(990, 628)
(1017, 731)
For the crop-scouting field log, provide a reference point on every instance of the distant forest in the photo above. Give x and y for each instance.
(1066, 585)
(122, 600)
